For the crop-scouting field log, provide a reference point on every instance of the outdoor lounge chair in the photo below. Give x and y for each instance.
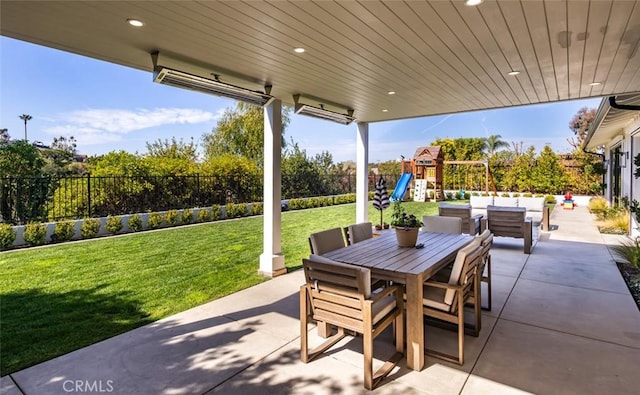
(510, 222)
(358, 232)
(445, 300)
(340, 295)
(470, 223)
(436, 223)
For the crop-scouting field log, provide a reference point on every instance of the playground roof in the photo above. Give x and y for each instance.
(428, 153)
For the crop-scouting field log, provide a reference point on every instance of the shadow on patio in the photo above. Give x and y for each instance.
(563, 321)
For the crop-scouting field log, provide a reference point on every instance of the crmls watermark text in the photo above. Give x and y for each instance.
(87, 386)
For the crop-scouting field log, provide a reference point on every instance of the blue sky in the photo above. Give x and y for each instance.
(109, 107)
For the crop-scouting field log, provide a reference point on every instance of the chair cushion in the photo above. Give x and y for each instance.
(366, 272)
(536, 217)
(451, 205)
(443, 275)
(458, 265)
(360, 232)
(436, 223)
(382, 308)
(531, 204)
(434, 298)
(505, 201)
(480, 202)
(326, 241)
(485, 235)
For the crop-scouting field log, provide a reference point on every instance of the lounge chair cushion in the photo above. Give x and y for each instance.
(505, 201)
(436, 223)
(480, 202)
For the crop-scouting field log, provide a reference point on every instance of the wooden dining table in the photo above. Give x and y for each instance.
(409, 266)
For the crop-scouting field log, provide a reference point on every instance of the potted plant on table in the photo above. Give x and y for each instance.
(406, 226)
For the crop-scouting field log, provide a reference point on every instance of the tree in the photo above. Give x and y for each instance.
(300, 175)
(175, 149)
(548, 176)
(234, 178)
(579, 125)
(518, 177)
(22, 190)
(117, 163)
(240, 132)
(4, 135)
(25, 118)
(171, 157)
(59, 156)
(493, 143)
(584, 173)
(64, 144)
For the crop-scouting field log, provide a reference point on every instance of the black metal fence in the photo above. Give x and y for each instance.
(24, 199)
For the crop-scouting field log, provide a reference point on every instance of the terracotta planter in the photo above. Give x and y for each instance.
(407, 237)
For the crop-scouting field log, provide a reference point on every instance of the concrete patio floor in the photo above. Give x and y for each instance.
(563, 322)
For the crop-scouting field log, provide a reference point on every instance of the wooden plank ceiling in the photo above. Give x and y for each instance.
(438, 56)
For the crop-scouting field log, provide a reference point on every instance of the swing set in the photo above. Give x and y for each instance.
(469, 180)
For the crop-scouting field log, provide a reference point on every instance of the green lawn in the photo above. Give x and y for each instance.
(59, 298)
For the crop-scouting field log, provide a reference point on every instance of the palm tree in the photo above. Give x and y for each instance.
(493, 143)
(25, 118)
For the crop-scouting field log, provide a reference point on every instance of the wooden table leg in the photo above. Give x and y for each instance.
(415, 327)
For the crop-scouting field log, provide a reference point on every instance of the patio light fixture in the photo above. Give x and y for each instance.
(135, 22)
(473, 2)
(321, 111)
(168, 76)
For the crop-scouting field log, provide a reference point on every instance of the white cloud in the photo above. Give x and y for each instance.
(99, 126)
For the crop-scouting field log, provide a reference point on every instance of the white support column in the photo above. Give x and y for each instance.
(271, 259)
(362, 172)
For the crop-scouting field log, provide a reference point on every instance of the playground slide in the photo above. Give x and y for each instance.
(401, 187)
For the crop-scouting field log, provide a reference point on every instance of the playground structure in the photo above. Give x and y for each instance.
(424, 175)
(460, 184)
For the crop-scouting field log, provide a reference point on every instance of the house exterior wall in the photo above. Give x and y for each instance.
(627, 142)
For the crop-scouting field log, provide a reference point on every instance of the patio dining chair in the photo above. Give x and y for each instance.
(486, 242)
(326, 241)
(358, 232)
(436, 223)
(340, 295)
(445, 300)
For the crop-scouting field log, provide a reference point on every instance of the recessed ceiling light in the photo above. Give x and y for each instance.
(514, 72)
(473, 2)
(135, 22)
(298, 50)
(595, 83)
(391, 93)
(385, 110)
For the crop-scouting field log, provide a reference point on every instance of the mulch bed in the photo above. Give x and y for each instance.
(631, 276)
